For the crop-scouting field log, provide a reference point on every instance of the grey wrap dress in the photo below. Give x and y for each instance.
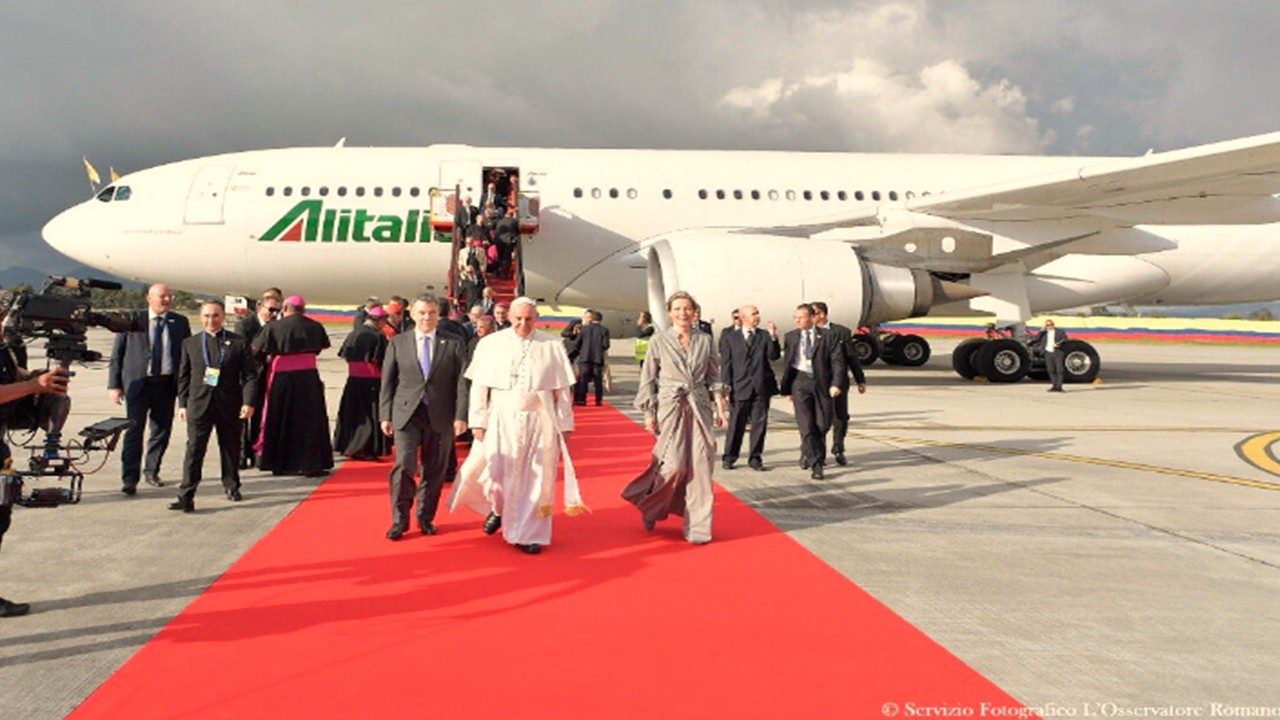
(677, 387)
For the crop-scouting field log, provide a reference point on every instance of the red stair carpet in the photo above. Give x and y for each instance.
(325, 618)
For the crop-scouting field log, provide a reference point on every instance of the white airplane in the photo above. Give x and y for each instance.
(878, 237)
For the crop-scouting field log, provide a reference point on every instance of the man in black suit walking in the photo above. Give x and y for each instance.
(1050, 340)
(842, 342)
(143, 375)
(593, 347)
(217, 380)
(745, 355)
(815, 373)
(423, 406)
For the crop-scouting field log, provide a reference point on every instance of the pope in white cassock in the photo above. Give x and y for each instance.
(521, 413)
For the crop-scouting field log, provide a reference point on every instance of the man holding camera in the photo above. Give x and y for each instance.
(144, 376)
(16, 382)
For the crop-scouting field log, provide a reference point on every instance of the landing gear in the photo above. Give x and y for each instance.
(866, 347)
(1003, 361)
(1081, 362)
(1007, 360)
(906, 350)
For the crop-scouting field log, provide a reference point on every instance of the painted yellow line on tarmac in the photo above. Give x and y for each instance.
(1180, 472)
(1257, 452)
(1061, 428)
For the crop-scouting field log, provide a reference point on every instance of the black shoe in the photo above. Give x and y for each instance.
(755, 464)
(395, 533)
(13, 609)
(817, 473)
(186, 506)
(153, 479)
(492, 523)
(727, 464)
(650, 525)
(427, 528)
(840, 459)
(531, 548)
(316, 473)
(804, 464)
(128, 489)
(599, 403)
(234, 495)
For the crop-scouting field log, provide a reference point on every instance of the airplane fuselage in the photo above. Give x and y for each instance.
(339, 224)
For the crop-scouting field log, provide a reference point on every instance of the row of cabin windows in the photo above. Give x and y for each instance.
(323, 191)
(841, 195)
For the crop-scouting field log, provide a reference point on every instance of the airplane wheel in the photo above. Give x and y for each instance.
(865, 349)
(1081, 361)
(962, 358)
(1004, 361)
(913, 350)
(891, 349)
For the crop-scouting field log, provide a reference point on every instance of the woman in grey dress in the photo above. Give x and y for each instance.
(679, 391)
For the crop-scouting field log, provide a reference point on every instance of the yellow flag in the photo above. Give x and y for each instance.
(114, 175)
(93, 174)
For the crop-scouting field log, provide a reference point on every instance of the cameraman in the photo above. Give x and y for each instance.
(16, 382)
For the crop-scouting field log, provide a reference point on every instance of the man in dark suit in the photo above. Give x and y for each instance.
(248, 327)
(1050, 340)
(217, 380)
(842, 342)
(423, 406)
(593, 347)
(745, 355)
(815, 373)
(143, 375)
(506, 233)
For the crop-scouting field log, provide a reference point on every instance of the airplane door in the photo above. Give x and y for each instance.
(464, 174)
(207, 194)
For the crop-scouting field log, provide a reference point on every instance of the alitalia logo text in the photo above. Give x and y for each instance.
(310, 221)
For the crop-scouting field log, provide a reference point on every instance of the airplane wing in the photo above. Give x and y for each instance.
(1232, 182)
(1221, 183)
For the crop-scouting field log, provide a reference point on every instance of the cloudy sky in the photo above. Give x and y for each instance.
(139, 83)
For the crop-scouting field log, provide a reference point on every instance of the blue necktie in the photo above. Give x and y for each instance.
(426, 356)
(157, 346)
(807, 347)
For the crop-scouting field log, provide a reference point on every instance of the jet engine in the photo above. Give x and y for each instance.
(725, 270)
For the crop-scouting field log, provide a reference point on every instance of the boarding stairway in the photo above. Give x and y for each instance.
(506, 286)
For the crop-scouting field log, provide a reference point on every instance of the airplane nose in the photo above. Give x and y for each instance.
(61, 233)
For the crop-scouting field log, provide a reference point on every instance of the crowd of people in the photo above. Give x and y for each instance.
(421, 379)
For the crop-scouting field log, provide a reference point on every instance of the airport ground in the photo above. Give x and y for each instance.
(1115, 544)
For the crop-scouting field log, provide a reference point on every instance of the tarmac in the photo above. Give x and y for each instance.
(1114, 549)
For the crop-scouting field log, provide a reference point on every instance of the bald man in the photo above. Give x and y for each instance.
(144, 376)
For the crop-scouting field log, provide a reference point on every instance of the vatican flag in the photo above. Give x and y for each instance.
(93, 174)
(114, 175)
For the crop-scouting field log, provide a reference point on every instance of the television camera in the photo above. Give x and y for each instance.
(61, 313)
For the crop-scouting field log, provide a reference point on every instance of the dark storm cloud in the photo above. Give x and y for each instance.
(138, 84)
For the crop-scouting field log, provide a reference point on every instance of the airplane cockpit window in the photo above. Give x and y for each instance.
(107, 194)
(123, 193)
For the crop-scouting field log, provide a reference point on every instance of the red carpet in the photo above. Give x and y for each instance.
(325, 618)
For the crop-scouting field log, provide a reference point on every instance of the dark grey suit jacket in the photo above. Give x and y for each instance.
(237, 385)
(829, 369)
(131, 352)
(746, 370)
(403, 386)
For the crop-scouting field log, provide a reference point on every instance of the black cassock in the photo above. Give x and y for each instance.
(295, 426)
(359, 434)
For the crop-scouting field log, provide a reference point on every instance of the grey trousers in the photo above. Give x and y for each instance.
(418, 445)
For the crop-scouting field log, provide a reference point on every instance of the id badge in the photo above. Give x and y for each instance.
(211, 376)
